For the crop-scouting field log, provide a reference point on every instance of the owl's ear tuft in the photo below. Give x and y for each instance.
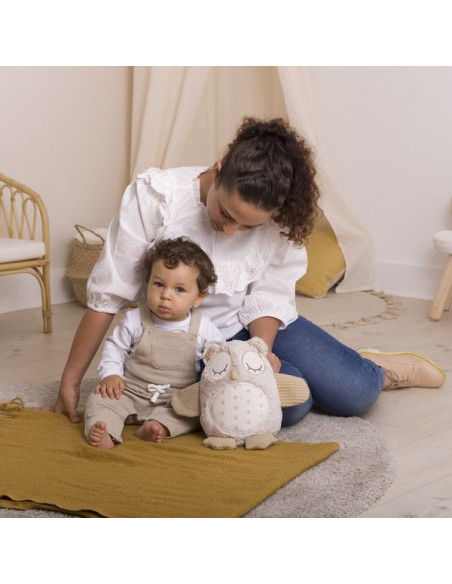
(211, 347)
(259, 344)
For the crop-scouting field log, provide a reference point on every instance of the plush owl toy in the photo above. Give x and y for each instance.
(238, 399)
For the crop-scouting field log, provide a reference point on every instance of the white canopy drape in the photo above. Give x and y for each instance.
(166, 123)
(165, 103)
(355, 242)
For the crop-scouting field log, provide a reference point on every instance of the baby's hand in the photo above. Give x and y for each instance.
(112, 385)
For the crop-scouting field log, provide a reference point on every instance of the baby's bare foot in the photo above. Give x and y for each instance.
(152, 431)
(99, 437)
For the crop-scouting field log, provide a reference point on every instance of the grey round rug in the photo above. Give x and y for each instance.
(345, 485)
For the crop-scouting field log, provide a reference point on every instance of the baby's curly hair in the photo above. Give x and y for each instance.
(272, 167)
(182, 249)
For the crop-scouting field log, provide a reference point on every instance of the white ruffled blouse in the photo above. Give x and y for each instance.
(257, 269)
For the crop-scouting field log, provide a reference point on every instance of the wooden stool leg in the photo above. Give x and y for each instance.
(443, 292)
(449, 300)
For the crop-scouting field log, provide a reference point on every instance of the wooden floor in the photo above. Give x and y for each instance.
(417, 422)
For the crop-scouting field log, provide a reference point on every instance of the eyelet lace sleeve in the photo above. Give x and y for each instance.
(117, 278)
(273, 294)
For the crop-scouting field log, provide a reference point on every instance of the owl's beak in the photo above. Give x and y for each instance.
(234, 375)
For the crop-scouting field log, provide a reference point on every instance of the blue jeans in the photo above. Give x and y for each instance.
(342, 383)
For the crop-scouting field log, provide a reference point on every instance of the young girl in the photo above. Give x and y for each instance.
(250, 212)
(155, 349)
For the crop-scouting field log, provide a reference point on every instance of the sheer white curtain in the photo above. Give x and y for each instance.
(185, 116)
(355, 242)
(165, 103)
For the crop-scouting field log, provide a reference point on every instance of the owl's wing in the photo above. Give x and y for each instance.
(292, 390)
(186, 401)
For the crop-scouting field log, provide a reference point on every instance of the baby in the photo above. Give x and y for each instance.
(155, 349)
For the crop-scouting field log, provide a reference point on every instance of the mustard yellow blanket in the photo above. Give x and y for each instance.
(46, 463)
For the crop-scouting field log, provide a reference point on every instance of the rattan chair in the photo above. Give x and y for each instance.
(24, 239)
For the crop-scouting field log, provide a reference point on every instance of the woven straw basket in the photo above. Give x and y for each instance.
(85, 253)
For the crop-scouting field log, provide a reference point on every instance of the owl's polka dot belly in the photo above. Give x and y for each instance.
(239, 408)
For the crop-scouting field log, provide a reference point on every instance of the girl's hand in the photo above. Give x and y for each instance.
(274, 362)
(67, 402)
(111, 386)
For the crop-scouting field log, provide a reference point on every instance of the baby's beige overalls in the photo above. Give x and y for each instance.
(160, 358)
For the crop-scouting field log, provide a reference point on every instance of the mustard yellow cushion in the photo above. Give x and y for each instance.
(326, 264)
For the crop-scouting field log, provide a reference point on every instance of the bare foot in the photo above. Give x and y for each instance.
(152, 431)
(99, 437)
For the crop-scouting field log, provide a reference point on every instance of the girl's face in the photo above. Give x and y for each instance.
(228, 212)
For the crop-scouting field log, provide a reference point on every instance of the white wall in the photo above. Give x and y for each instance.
(64, 132)
(388, 136)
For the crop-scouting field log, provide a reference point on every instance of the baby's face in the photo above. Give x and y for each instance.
(173, 292)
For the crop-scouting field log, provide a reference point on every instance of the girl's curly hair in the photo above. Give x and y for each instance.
(271, 166)
(182, 249)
